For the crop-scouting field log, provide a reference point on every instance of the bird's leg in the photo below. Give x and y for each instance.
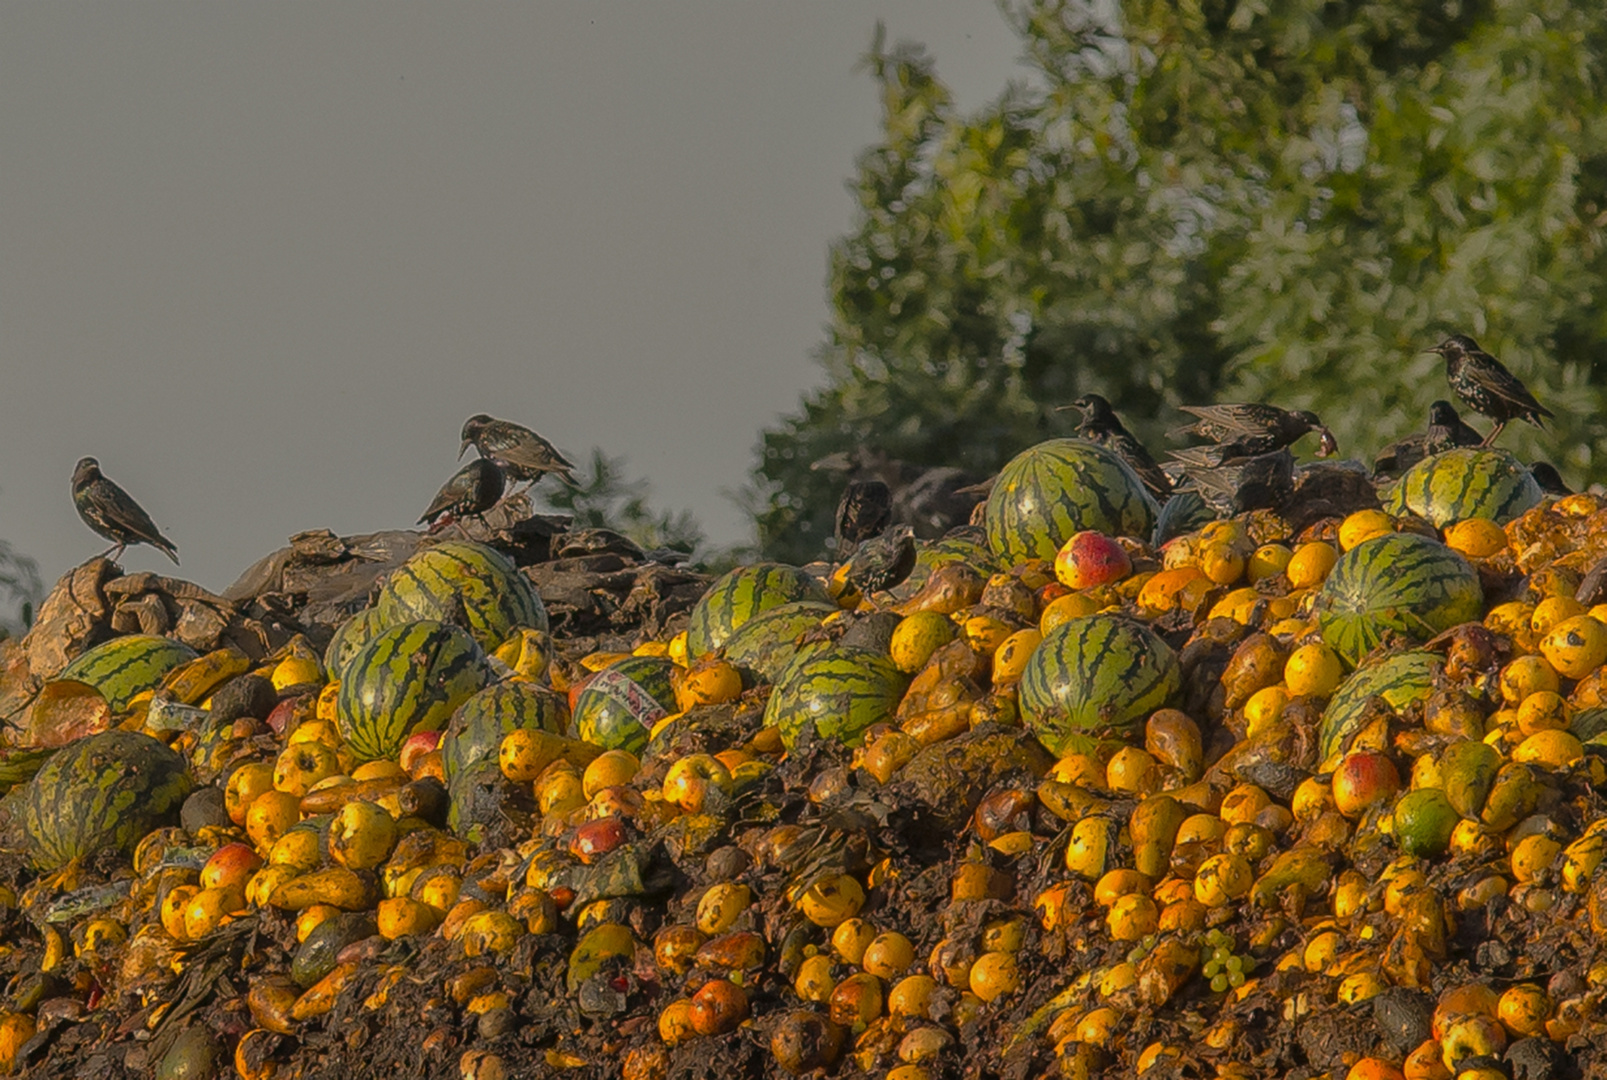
(1494, 433)
(114, 552)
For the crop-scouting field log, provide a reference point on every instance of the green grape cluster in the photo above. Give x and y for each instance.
(1142, 948)
(1222, 966)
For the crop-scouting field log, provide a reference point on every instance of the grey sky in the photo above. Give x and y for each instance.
(263, 259)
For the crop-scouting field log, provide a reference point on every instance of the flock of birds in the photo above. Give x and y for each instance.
(1244, 463)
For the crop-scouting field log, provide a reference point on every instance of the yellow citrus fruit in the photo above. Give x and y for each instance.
(1362, 526)
(918, 636)
(1477, 538)
(1312, 670)
(1309, 565)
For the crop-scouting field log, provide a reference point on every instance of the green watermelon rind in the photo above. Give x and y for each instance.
(739, 595)
(764, 647)
(106, 791)
(1055, 489)
(1096, 676)
(1401, 679)
(406, 679)
(1464, 483)
(125, 667)
(349, 638)
(840, 692)
(494, 597)
(619, 705)
(1398, 582)
(478, 725)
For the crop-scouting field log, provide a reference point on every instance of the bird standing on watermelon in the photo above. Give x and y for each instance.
(473, 490)
(882, 563)
(1486, 386)
(1446, 431)
(1101, 426)
(1249, 429)
(521, 453)
(863, 512)
(111, 512)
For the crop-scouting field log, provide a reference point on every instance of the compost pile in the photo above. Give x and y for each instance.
(1104, 788)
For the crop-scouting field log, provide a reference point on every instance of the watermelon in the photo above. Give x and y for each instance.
(1468, 482)
(1095, 677)
(1060, 487)
(1398, 582)
(123, 668)
(619, 705)
(766, 644)
(960, 545)
(102, 792)
(351, 636)
(1401, 679)
(738, 596)
(840, 693)
(407, 678)
(479, 724)
(460, 576)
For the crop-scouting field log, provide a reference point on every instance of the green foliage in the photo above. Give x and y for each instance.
(1193, 199)
(20, 591)
(605, 499)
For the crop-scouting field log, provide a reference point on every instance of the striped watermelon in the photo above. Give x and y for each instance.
(351, 636)
(1398, 582)
(619, 705)
(767, 643)
(1468, 482)
(104, 791)
(123, 668)
(1060, 487)
(1401, 679)
(407, 678)
(738, 596)
(479, 724)
(434, 584)
(840, 693)
(1095, 677)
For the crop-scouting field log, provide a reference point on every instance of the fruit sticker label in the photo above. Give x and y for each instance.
(618, 686)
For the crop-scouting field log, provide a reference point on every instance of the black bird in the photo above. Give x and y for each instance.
(1446, 431)
(112, 513)
(1263, 482)
(1101, 426)
(882, 563)
(863, 512)
(472, 491)
(521, 453)
(1486, 386)
(1550, 480)
(1253, 428)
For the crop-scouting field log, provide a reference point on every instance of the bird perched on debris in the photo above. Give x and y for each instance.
(111, 512)
(473, 490)
(1550, 480)
(1486, 386)
(521, 453)
(863, 512)
(882, 563)
(1242, 484)
(1446, 431)
(1249, 429)
(1101, 426)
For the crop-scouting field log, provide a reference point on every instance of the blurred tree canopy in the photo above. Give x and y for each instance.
(1188, 200)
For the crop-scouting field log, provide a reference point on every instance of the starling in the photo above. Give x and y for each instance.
(1101, 426)
(1262, 482)
(882, 563)
(1254, 429)
(1446, 431)
(1550, 480)
(863, 512)
(1486, 386)
(520, 452)
(110, 511)
(472, 491)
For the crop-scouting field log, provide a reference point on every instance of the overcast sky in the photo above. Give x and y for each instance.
(263, 259)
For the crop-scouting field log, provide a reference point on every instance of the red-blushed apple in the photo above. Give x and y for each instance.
(230, 867)
(575, 689)
(1091, 558)
(286, 715)
(416, 746)
(597, 838)
(1364, 779)
(1051, 592)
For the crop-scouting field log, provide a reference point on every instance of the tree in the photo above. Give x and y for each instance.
(604, 499)
(1203, 199)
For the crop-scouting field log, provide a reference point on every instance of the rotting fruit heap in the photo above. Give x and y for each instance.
(1323, 804)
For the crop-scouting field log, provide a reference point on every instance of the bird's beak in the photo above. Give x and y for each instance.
(1064, 408)
(1436, 350)
(1327, 445)
(464, 449)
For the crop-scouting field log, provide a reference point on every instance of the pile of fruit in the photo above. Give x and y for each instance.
(1271, 798)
